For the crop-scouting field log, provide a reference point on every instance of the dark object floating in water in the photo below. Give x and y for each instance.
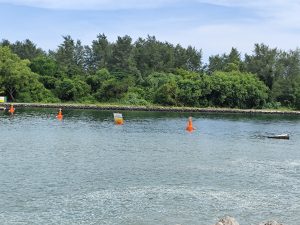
(280, 136)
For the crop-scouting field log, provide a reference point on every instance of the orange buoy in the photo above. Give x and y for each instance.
(118, 117)
(59, 115)
(190, 127)
(119, 121)
(11, 109)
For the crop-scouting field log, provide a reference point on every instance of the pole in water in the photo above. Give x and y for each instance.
(190, 127)
(11, 109)
(59, 114)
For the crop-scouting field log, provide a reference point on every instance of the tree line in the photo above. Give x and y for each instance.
(148, 71)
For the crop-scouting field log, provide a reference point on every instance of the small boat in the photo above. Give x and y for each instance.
(2, 108)
(280, 136)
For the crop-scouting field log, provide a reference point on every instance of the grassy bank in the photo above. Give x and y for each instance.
(149, 108)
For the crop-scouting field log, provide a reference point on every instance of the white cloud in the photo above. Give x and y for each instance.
(220, 38)
(216, 37)
(277, 25)
(282, 12)
(90, 4)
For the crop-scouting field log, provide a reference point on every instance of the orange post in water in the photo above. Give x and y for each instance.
(59, 115)
(11, 109)
(190, 127)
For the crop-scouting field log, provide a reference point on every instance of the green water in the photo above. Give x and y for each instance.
(86, 170)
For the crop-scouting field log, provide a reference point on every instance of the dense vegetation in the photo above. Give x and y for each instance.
(148, 71)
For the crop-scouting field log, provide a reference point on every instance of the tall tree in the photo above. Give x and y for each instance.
(194, 59)
(230, 62)
(101, 52)
(69, 57)
(26, 49)
(122, 61)
(263, 63)
(5, 42)
(286, 82)
(216, 63)
(147, 55)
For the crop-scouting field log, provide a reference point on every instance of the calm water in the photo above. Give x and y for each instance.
(85, 170)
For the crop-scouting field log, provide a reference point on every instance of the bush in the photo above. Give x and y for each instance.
(72, 90)
(133, 98)
(272, 105)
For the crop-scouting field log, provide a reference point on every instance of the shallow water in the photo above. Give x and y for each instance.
(86, 170)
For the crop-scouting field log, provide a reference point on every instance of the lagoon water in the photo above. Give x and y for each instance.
(85, 170)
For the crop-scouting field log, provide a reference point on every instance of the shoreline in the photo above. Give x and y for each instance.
(149, 108)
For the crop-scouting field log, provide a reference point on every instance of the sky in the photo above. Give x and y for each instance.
(214, 26)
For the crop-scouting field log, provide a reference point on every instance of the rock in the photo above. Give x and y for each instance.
(227, 221)
(270, 223)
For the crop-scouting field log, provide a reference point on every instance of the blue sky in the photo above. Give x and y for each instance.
(211, 25)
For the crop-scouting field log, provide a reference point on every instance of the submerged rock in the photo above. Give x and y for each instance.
(270, 223)
(227, 221)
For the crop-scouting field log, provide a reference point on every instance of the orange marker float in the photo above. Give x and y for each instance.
(190, 127)
(11, 109)
(118, 117)
(119, 121)
(59, 115)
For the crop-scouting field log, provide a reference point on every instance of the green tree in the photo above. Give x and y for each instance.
(101, 52)
(227, 63)
(122, 61)
(147, 55)
(65, 89)
(48, 70)
(167, 93)
(18, 81)
(287, 79)
(237, 89)
(111, 89)
(194, 59)
(72, 90)
(5, 43)
(152, 55)
(44, 66)
(180, 57)
(297, 94)
(162, 88)
(263, 63)
(96, 81)
(49, 82)
(69, 58)
(190, 92)
(135, 96)
(26, 49)
(191, 87)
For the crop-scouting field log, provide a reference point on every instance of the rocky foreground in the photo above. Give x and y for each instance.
(231, 221)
